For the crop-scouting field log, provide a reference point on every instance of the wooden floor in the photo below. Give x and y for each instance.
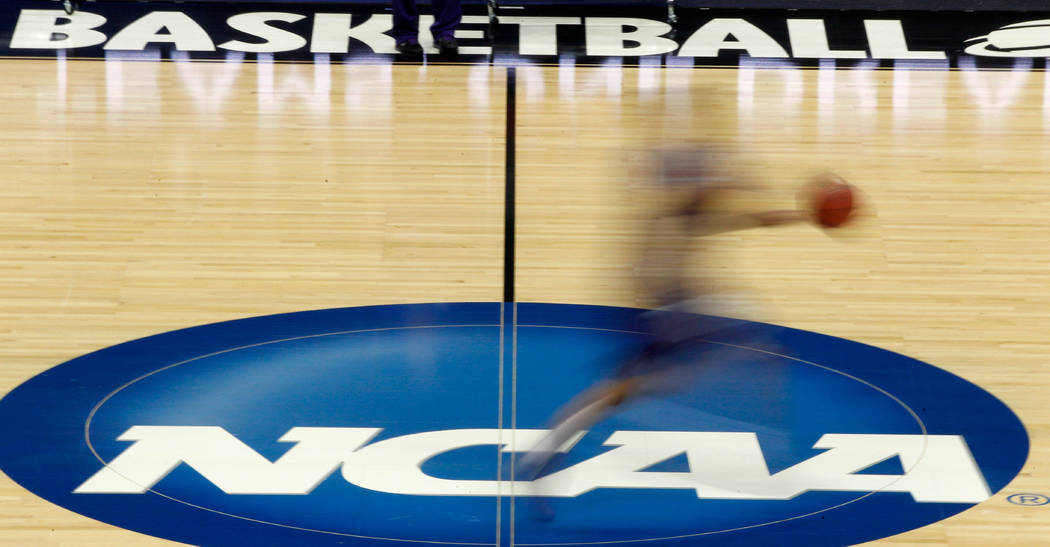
(143, 197)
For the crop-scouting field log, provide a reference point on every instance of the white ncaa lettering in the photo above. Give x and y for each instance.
(53, 29)
(427, 40)
(225, 461)
(713, 37)
(395, 465)
(183, 31)
(938, 468)
(809, 40)
(332, 32)
(722, 465)
(538, 35)
(609, 36)
(604, 36)
(274, 39)
(470, 34)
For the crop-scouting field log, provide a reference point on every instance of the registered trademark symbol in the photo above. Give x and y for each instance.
(1028, 499)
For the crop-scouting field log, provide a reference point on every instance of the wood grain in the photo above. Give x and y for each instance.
(144, 197)
(949, 264)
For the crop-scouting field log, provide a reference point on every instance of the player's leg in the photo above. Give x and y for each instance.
(579, 414)
(447, 16)
(406, 26)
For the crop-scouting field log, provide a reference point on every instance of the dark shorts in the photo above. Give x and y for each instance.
(678, 339)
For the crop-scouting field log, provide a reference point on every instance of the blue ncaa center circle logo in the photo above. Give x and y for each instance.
(395, 424)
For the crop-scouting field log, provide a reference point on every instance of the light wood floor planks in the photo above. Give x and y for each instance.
(143, 197)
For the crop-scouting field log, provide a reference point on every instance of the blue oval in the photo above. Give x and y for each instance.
(431, 367)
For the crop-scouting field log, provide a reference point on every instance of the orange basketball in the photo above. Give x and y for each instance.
(833, 201)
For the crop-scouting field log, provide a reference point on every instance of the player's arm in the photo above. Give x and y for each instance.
(778, 217)
(714, 223)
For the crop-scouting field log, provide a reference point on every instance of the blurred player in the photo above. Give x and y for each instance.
(687, 191)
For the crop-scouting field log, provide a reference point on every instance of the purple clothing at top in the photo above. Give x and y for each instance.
(447, 14)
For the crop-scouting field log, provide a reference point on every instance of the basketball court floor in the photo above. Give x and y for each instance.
(144, 197)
